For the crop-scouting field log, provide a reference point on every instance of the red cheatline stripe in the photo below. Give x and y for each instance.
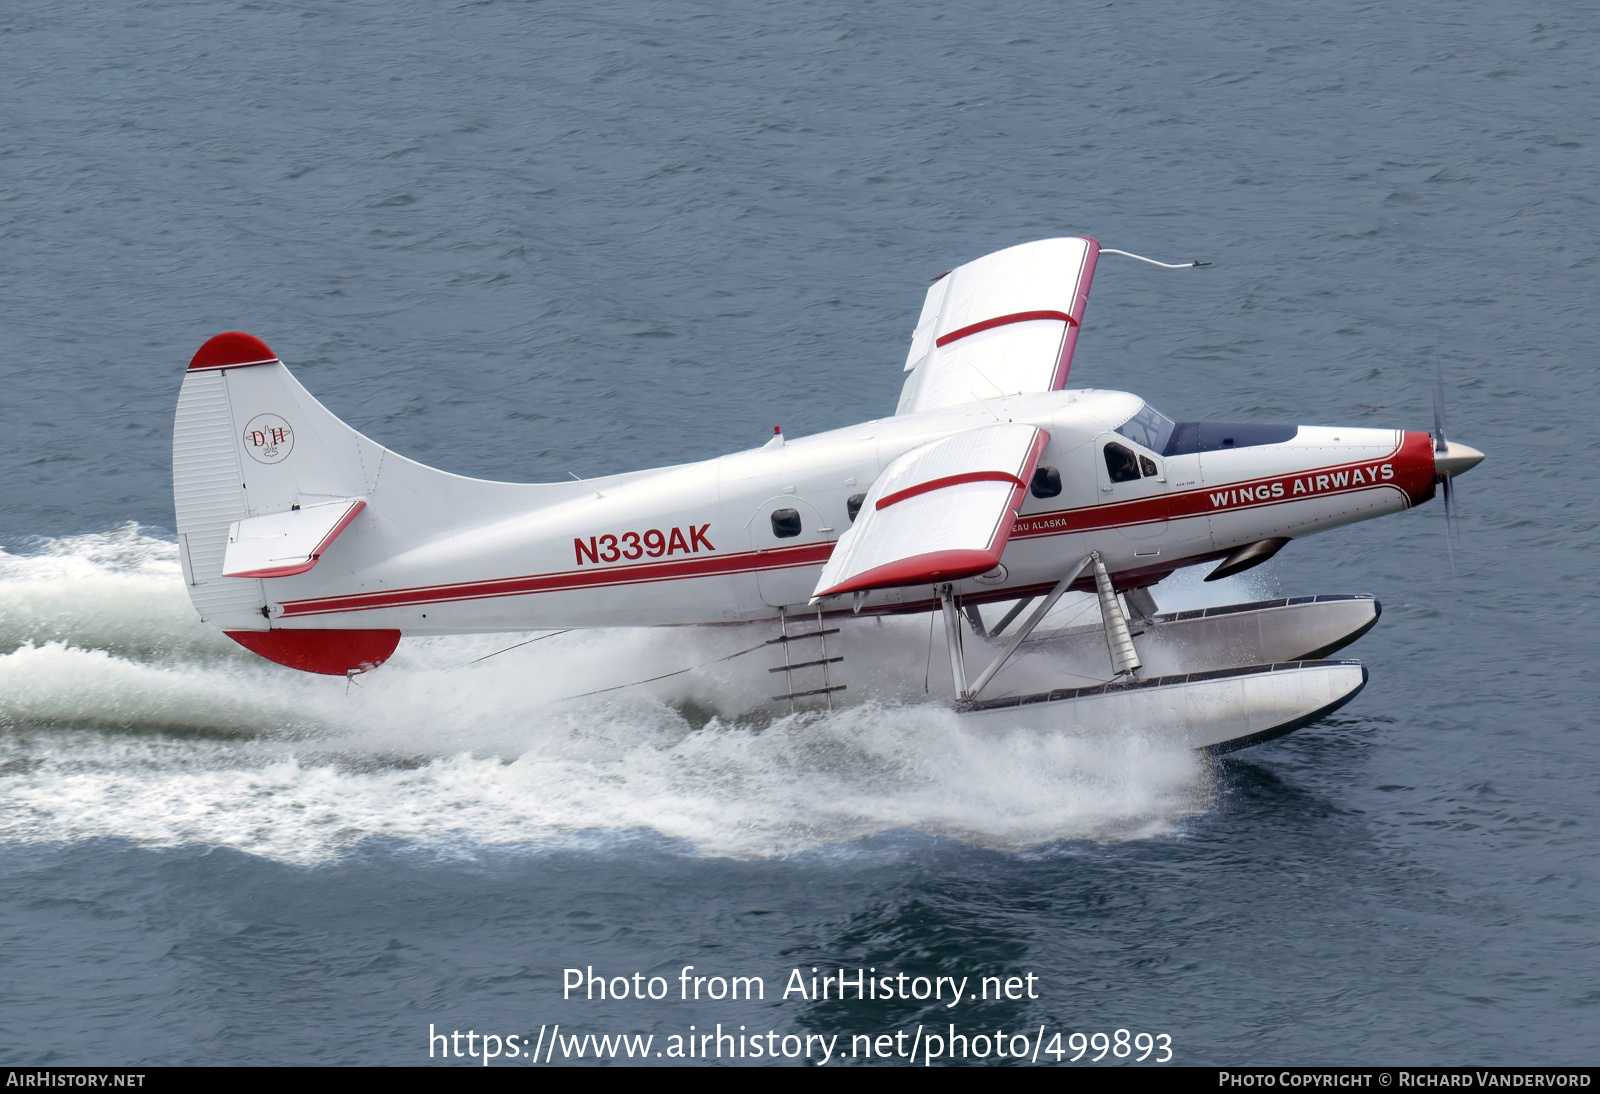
(747, 562)
(1058, 522)
(949, 480)
(1003, 321)
(1185, 503)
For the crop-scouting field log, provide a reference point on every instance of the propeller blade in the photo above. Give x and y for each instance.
(1446, 480)
(1439, 442)
(1449, 524)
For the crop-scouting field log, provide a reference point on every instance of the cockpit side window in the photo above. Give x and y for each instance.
(1121, 464)
(1149, 428)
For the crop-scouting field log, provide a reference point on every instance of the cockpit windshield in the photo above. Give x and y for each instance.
(1149, 427)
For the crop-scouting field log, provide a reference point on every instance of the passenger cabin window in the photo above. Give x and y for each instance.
(1147, 465)
(786, 523)
(852, 505)
(1121, 464)
(1046, 482)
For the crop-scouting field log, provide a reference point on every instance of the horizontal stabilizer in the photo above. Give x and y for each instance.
(1003, 324)
(288, 543)
(941, 512)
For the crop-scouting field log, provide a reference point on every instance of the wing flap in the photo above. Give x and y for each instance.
(288, 543)
(941, 512)
(1003, 324)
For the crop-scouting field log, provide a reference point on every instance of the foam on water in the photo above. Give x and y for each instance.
(120, 591)
(123, 716)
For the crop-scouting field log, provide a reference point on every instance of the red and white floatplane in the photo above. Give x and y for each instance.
(992, 486)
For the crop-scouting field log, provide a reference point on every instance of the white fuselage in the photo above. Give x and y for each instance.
(696, 543)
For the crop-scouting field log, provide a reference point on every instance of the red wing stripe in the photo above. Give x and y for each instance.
(1004, 321)
(949, 480)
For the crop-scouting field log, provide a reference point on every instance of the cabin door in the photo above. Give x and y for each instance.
(1134, 480)
(791, 541)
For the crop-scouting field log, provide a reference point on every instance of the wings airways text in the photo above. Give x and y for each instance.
(632, 545)
(1305, 484)
(1192, 503)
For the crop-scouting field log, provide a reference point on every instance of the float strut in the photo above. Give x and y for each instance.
(1124, 658)
(952, 636)
(1143, 604)
(975, 619)
(1026, 629)
(1006, 620)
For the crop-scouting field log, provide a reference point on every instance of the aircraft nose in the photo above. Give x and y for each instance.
(1455, 459)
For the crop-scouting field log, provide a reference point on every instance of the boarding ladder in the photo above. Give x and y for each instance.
(790, 666)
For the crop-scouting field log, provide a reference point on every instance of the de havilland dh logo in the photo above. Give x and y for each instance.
(268, 439)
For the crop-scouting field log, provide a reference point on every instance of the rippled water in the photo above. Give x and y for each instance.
(517, 240)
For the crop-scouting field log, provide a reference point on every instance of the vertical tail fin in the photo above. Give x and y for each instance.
(249, 442)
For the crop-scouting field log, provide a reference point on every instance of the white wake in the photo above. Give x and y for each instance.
(123, 716)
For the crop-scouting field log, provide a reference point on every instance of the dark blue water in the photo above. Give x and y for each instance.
(520, 239)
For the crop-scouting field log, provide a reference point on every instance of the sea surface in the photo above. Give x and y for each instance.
(520, 240)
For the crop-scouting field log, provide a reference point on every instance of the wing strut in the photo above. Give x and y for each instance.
(952, 638)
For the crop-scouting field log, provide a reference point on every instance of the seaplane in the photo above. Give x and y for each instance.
(992, 486)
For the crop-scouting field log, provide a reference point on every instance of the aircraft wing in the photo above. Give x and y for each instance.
(1002, 324)
(289, 543)
(941, 512)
